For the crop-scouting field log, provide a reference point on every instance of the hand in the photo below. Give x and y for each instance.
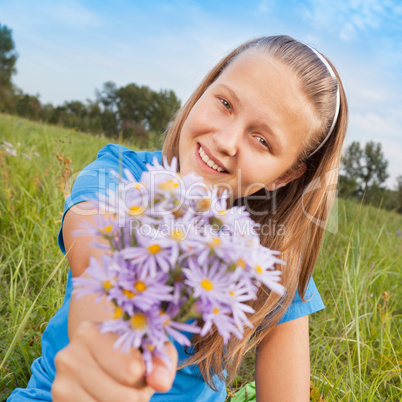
(90, 369)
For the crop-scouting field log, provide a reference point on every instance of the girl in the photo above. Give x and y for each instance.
(268, 122)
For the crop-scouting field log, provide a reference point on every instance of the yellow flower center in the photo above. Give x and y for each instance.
(207, 284)
(154, 248)
(215, 242)
(177, 235)
(138, 321)
(216, 310)
(224, 212)
(140, 286)
(258, 269)
(203, 204)
(128, 293)
(232, 293)
(107, 285)
(150, 347)
(168, 185)
(118, 312)
(107, 229)
(136, 210)
(241, 263)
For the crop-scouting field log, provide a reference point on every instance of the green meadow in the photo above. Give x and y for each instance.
(355, 346)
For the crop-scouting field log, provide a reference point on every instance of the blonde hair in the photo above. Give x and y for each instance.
(293, 205)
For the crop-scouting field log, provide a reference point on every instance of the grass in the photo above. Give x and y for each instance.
(355, 342)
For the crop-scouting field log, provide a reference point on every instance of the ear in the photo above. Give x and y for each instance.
(286, 178)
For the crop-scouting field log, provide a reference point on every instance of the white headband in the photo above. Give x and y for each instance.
(338, 98)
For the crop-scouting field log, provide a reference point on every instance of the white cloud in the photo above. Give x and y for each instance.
(385, 128)
(71, 13)
(183, 40)
(27, 16)
(264, 6)
(378, 126)
(349, 18)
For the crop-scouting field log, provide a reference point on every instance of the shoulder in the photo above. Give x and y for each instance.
(103, 173)
(300, 308)
(120, 156)
(118, 151)
(111, 162)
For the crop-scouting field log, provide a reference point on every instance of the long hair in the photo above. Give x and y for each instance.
(301, 207)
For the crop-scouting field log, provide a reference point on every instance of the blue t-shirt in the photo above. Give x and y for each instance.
(188, 385)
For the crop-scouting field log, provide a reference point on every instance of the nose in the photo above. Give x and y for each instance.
(227, 139)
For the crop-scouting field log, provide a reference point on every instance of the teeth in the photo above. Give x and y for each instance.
(208, 161)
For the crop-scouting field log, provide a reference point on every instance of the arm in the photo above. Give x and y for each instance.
(89, 368)
(79, 252)
(283, 363)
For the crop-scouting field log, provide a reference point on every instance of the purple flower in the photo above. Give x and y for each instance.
(103, 227)
(207, 282)
(175, 259)
(184, 232)
(12, 152)
(219, 245)
(172, 328)
(239, 294)
(149, 349)
(100, 278)
(130, 200)
(139, 328)
(152, 254)
(218, 315)
(139, 290)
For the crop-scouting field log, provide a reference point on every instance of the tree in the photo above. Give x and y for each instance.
(364, 171)
(8, 56)
(133, 103)
(164, 104)
(28, 106)
(107, 96)
(398, 194)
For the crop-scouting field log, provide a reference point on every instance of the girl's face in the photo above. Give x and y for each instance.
(252, 123)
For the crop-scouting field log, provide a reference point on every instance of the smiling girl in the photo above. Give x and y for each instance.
(268, 123)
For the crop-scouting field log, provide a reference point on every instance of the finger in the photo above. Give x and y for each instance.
(126, 368)
(76, 366)
(162, 377)
(65, 390)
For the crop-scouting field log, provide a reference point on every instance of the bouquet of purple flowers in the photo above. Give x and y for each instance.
(177, 260)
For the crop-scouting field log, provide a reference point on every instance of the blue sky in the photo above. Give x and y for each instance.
(69, 48)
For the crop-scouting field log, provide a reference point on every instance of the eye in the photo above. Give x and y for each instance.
(263, 142)
(226, 104)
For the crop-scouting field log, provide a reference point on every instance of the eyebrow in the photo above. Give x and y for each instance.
(277, 143)
(231, 92)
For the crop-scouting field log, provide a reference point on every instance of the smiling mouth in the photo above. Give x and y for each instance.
(209, 162)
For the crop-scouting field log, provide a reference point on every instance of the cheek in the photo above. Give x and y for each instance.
(202, 117)
(258, 173)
